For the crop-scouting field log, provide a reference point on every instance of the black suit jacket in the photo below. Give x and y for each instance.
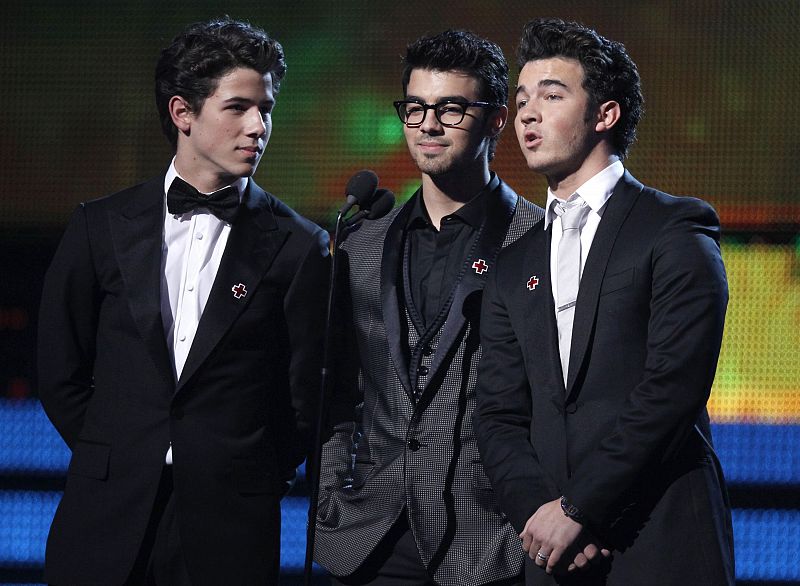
(628, 440)
(238, 418)
(396, 452)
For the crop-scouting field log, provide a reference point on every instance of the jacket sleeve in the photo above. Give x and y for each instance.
(689, 296)
(304, 308)
(503, 412)
(68, 318)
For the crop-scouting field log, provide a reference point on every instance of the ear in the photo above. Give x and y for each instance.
(608, 114)
(497, 120)
(181, 113)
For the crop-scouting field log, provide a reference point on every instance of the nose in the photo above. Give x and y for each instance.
(527, 114)
(430, 124)
(256, 124)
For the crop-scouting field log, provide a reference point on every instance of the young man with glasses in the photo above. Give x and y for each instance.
(403, 496)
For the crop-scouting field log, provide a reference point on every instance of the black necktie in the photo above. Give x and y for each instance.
(182, 198)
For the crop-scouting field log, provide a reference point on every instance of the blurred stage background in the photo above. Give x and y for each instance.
(721, 81)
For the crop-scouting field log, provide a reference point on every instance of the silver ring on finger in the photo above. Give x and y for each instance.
(541, 556)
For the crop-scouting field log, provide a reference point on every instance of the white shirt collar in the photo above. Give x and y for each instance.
(240, 184)
(595, 192)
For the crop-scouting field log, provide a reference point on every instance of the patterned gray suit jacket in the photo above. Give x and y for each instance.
(421, 454)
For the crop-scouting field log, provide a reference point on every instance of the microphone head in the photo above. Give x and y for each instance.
(362, 186)
(381, 204)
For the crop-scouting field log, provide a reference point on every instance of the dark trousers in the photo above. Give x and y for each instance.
(396, 562)
(160, 560)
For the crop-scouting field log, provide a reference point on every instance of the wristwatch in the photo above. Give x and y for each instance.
(572, 511)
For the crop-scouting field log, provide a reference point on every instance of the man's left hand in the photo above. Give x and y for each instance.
(549, 534)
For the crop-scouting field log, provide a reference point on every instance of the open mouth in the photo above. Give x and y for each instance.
(532, 139)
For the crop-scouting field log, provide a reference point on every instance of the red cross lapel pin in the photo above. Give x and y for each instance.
(532, 282)
(480, 266)
(239, 291)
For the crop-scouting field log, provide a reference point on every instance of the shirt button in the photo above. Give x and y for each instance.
(413, 444)
(190, 287)
(182, 338)
(199, 236)
(422, 370)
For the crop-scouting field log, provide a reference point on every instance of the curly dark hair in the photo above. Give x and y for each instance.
(198, 57)
(461, 50)
(609, 72)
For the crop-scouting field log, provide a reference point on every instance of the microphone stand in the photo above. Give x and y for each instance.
(313, 471)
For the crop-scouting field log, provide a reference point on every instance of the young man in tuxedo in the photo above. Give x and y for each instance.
(180, 335)
(403, 496)
(601, 330)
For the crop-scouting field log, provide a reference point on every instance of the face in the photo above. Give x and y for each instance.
(438, 150)
(226, 138)
(551, 126)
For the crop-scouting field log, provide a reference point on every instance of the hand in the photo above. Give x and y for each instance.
(549, 534)
(591, 553)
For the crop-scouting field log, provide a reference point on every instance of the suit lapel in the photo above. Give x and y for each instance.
(499, 211)
(619, 206)
(540, 313)
(136, 232)
(253, 242)
(390, 277)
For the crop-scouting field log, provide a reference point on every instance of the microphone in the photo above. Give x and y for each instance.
(381, 204)
(360, 190)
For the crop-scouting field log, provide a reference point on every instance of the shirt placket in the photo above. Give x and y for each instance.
(188, 310)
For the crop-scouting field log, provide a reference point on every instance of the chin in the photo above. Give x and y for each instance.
(245, 170)
(432, 167)
(536, 165)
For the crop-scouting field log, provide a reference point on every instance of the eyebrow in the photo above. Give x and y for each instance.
(441, 99)
(549, 82)
(239, 99)
(542, 84)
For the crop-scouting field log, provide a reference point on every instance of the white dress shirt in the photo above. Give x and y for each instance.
(191, 252)
(596, 193)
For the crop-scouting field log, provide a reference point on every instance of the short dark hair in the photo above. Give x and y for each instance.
(609, 72)
(198, 57)
(460, 50)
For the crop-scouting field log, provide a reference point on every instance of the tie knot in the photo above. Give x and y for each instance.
(571, 213)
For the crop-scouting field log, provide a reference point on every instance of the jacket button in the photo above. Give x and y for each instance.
(571, 408)
(177, 413)
(413, 444)
(422, 370)
(427, 350)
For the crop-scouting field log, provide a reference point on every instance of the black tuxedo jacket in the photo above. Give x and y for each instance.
(420, 455)
(627, 441)
(238, 418)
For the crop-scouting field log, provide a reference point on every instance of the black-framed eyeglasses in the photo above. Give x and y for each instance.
(448, 112)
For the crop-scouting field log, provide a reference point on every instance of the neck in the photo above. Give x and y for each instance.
(444, 194)
(203, 180)
(563, 185)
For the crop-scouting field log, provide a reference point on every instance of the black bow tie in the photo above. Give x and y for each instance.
(182, 198)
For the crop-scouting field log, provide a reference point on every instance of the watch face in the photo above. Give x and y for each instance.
(569, 509)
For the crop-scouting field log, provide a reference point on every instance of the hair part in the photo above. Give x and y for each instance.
(465, 52)
(192, 65)
(609, 74)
